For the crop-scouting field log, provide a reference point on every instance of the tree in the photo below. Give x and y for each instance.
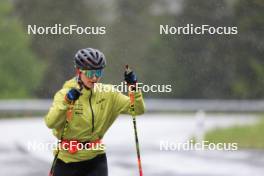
(196, 64)
(58, 50)
(20, 70)
(249, 49)
(130, 35)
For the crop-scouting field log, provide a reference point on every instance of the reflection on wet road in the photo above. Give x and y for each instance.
(16, 160)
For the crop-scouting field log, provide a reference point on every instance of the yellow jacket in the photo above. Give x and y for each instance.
(93, 114)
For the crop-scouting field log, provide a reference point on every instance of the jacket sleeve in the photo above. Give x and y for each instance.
(122, 104)
(57, 113)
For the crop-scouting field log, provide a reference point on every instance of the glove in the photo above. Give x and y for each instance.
(130, 77)
(73, 95)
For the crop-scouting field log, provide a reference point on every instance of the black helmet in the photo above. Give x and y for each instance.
(89, 59)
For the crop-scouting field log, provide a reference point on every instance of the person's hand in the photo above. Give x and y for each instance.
(73, 95)
(130, 76)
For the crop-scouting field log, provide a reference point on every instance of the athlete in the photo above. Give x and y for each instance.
(81, 114)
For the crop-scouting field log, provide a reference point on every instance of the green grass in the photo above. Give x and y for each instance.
(247, 136)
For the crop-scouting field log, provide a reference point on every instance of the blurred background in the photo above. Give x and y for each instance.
(217, 81)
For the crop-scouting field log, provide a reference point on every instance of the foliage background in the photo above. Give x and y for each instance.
(206, 66)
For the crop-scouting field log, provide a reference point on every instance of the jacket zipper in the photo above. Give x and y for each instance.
(90, 103)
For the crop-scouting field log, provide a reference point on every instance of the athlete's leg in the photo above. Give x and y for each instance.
(65, 169)
(95, 167)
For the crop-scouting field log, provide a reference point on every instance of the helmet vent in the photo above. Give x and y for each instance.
(92, 54)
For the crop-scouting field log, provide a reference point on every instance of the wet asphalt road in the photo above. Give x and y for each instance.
(16, 160)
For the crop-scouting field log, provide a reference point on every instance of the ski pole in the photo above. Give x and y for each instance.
(132, 108)
(68, 118)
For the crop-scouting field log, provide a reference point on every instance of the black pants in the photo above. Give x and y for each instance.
(94, 167)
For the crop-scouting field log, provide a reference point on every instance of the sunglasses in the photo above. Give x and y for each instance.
(92, 73)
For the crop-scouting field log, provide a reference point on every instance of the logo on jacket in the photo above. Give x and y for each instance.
(100, 101)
